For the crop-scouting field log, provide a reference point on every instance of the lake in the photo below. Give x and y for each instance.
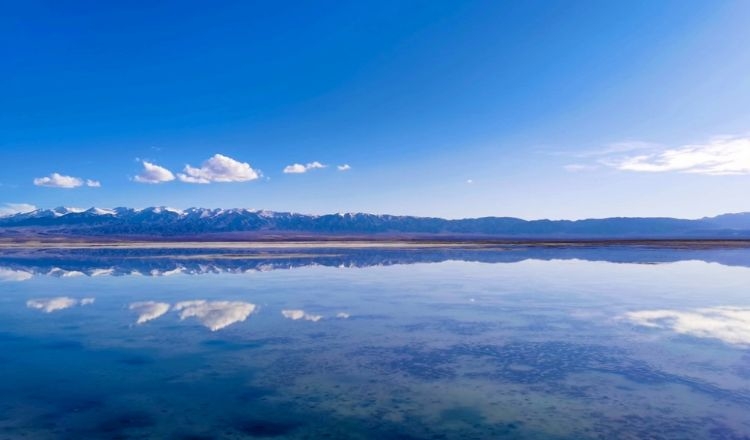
(579, 342)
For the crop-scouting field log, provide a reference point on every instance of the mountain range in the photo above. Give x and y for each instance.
(155, 222)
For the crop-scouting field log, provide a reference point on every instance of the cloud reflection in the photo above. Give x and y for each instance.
(215, 315)
(149, 310)
(728, 324)
(300, 314)
(49, 305)
(14, 275)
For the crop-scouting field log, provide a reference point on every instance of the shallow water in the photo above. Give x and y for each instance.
(583, 343)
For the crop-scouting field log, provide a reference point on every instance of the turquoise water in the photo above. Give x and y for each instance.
(571, 344)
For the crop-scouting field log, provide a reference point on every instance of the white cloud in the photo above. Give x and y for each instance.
(300, 314)
(215, 315)
(56, 180)
(295, 168)
(14, 275)
(469, 181)
(343, 315)
(153, 173)
(219, 168)
(15, 208)
(344, 167)
(620, 148)
(728, 324)
(298, 168)
(149, 310)
(720, 156)
(49, 305)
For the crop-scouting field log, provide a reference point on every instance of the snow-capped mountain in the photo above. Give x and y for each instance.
(164, 221)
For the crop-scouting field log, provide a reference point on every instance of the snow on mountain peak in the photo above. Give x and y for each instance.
(101, 211)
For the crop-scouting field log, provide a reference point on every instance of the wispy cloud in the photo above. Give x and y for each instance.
(579, 167)
(219, 168)
(728, 324)
(15, 208)
(56, 180)
(344, 167)
(298, 168)
(49, 305)
(719, 156)
(149, 310)
(300, 314)
(215, 315)
(619, 148)
(153, 173)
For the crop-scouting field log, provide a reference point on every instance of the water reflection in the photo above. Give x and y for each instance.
(149, 310)
(59, 272)
(300, 314)
(538, 349)
(101, 272)
(215, 315)
(49, 305)
(17, 264)
(728, 324)
(14, 275)
(167, 273)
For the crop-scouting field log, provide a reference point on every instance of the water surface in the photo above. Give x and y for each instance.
(404, 344)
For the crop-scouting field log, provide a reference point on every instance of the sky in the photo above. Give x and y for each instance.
(534, 109)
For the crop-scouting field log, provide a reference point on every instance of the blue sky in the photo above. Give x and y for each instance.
(457, 109)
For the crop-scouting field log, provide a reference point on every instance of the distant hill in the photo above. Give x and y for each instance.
(243, 223)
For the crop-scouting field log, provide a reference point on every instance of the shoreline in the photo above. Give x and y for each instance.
(488, 244)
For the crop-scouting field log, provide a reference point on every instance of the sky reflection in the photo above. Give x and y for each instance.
(544, 349)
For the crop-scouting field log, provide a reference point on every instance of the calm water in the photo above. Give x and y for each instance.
(516, 343)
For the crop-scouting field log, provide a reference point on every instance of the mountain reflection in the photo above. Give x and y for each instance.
(20, 265)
